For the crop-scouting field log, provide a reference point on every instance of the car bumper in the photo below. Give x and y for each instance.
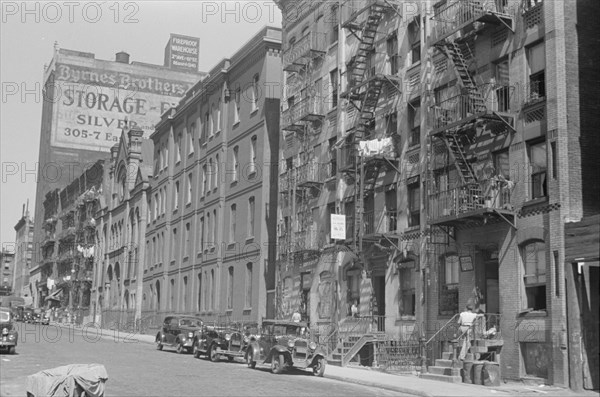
(7, 343)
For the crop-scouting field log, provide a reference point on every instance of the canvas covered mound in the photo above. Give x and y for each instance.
(68, 381)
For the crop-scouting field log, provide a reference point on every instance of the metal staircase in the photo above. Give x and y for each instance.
(454, 145)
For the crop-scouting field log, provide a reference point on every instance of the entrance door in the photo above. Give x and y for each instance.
(492, 287)
(379, 302)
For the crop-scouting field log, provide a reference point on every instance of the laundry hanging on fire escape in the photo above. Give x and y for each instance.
(376, 147)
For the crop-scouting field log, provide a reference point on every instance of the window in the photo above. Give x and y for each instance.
(536, 60)
(391, 124)
(211, 121)
(554, 160)
(161, 155)
(406, 293)
(219, 121)
(538, 164)
(534, 267)
(189, 189)
(449, 281)
(251, 206)
(190, 138)
(212, 289)
(353, 278)
(333, 78)
(414, 204)
(215, 225)
(185, 293)
(502, 168)
(255, 92)
(205, 126)
(392, 54)
(186, 242)
(206, 305)
(208, 230)
(230, 288)
(414, 35)
(502, 86)
(172, 300)
(248, 294)
(232, 222)
(236, 107)
(178, 149)
(236, 164)
(252, 165)
(414, 122)
(199, 301)
(334, 24)
(163, 195)
(176, 198)
(204, 179)
(332, 157)
(174, 244)
(201, 233)
(211, 169)
(216, 171)
(155, 206)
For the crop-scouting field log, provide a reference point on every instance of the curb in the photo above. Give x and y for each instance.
(398, 389)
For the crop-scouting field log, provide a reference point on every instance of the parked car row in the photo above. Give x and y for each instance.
(278, 343)
(8, 334)
(30, 315)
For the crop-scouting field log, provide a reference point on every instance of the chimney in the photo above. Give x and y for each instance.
(122, 57)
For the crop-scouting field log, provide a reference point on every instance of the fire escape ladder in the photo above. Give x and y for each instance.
(455, 53)
(455, 146)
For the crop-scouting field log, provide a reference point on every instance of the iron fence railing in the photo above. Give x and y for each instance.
(312, 42)
(380, 221)
(468, 198)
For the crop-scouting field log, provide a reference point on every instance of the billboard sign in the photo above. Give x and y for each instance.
(93, 105)
(182, 52)
(338, 227)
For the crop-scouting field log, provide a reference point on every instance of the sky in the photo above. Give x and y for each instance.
(29, 30)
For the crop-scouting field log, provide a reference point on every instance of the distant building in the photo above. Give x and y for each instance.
(7, 261)
(23, 254)
(121, 229)
(87, 102)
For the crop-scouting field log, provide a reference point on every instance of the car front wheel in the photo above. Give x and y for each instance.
(319, 368)
(196, 349)
(249, 356)
(159, 345)
(180, 348)
(212, 353)
(12, 350)
(277, 364)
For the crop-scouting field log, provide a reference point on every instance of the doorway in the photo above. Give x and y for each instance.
(492, 287)
(379, 302)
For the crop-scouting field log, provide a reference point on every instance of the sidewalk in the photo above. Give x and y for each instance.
(408, 384)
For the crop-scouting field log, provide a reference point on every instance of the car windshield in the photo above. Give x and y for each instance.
(286, 330)
(4, 317)
(190, 322)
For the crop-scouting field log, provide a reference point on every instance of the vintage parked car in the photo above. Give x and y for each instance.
(40, 317)
(178, 332)
(215, 342)
(8, 334)
(285, 344)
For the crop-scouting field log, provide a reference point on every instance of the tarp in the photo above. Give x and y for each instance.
(69, 381)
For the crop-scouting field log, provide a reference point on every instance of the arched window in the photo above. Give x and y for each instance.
(255, 92)
(230, 288)
(219, 121)
(157, 294)
(199, 302)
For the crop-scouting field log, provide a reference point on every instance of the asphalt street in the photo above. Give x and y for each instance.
(138, 369)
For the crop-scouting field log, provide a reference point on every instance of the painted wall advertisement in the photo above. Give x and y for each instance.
(182, 52)
(94, 105)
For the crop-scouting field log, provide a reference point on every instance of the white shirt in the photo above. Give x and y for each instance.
(466, 318)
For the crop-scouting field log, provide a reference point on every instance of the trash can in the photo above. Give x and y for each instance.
(467, 372)
(478, 372)
(491, 373)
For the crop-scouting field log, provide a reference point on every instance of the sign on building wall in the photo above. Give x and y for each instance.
(338, 227)
(182, 52)
(93, 105)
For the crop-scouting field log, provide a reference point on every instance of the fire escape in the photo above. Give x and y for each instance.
(301, 122)
(361, 161)
(363, 156)
(479, 106)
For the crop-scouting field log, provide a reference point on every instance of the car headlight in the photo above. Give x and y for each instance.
(290, 344)
(227, 337)
(11, 337)
(190, 335)
(4, 331)
(312, 346)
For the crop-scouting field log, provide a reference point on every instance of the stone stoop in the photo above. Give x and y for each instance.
(443, 371)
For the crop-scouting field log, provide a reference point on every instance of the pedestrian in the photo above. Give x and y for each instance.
(354, 309)
(465, 321)
(296, 317)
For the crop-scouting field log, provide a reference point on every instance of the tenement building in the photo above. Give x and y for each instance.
(211, 212)
(23, 255)
(428, 163)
